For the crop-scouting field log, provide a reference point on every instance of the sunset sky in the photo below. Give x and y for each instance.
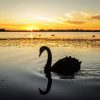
(49, 14)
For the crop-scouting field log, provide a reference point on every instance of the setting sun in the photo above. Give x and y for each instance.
(30, 28)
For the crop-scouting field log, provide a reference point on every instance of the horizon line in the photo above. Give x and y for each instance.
(51, 30)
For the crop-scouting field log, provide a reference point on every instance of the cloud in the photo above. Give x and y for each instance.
(77, 15)
(74, 17)
(47, 19)
(97, 17)
(75, 22)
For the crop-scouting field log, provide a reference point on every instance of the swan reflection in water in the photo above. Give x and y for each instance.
(67, 66)
(48, 76)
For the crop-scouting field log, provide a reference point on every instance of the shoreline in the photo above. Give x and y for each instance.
(54, 39)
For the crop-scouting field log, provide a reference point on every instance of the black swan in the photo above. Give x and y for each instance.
(67, 66)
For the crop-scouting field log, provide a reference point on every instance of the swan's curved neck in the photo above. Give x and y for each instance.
(47, 68)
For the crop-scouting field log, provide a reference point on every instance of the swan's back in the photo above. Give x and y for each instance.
(66, 66)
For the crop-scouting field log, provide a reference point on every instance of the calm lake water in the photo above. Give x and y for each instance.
(20, 62)
(22, 53)
(58, 35)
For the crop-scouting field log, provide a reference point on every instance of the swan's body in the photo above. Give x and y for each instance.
(64, 66)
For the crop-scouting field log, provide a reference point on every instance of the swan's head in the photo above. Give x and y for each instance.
(42, 50)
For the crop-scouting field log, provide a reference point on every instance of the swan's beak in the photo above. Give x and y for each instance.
(41, 50)
(40, 54)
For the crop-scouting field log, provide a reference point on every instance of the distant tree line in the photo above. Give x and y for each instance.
(2, 30)
(67, 30)
(51, 30)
